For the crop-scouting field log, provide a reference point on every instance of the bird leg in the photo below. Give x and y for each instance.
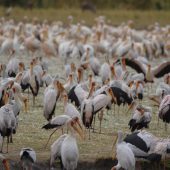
(7, 144)
(94, 122)
(2, 145)
(28, 92)
(118, 112)
(165, 126)
(158, 121)
(113, 111)
(89, 133)
(50, 137)
(11, 140)
(100, 117)
(33, 101)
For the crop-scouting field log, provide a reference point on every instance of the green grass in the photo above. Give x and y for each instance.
(141, 18)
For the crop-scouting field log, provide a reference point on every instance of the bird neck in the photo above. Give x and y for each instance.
(91, 91)
(17, 100)
(65, 102)
(31, 69)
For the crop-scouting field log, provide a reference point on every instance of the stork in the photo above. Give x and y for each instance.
(66, 147)
(27, 157)
(124, 154)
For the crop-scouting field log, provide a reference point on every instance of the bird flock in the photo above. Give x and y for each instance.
(92, 72)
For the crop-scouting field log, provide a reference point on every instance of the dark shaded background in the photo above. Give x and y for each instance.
(99, 4)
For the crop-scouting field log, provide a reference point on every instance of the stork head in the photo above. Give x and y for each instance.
(110, 92)
(80, 72)
(60, 86)
(140, 109)
(18, 76)
(21, 66)
(76, 125)
(70, 78)
(149, 66)
(73, 67)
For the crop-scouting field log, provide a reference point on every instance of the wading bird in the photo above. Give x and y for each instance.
(28, 158)
(124, 154)
(66, 147)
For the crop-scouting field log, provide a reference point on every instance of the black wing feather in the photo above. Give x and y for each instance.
(163, 71)
(134, 64)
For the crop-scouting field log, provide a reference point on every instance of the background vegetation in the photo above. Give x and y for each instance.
(100, 4)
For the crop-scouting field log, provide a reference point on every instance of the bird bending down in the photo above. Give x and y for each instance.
(141, 118)
(28, 157)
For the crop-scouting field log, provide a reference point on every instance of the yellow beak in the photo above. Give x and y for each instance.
(78, 128)
(113, 147)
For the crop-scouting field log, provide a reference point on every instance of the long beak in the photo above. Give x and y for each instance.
(78, 128)
(113, 150)
(6, 97)
(130, 108)
(112, 95)
(11, 84)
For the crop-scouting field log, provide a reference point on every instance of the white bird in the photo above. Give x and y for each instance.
(70, 109)
(69, 148)
(141, 118)
(124, 154)
(105, 72)
(27, 157)
(8, 123)
(59, 122)
(56, 150)
(51, 95)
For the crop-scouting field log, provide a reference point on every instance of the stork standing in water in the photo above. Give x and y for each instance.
(124, 154)
(66, 147)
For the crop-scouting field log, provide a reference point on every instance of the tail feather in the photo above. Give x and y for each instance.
(50, 126)
(153, 157)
